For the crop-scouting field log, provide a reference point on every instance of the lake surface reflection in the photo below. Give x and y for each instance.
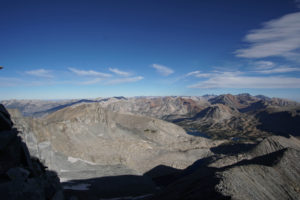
(197, 133)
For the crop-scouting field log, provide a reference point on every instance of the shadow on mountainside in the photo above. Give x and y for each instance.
(280, 123)
(109, 187)
(51, 110)
(56, 108)
(148, 186)
(200, 181)
(125, 186)
(197, 181)
(232, 148)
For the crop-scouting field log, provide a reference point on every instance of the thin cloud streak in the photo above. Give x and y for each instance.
(279, 70)
(278, 37)
(163, 70)
(40, 73)
(268, 67)
(264, 64)
(199, 74)
(230, 80)
(119, 72)
(89, 73)
(192, 73)
(124, 80)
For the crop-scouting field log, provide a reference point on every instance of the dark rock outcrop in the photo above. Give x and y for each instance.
(5, 122)
(21, 176)
(270, 170)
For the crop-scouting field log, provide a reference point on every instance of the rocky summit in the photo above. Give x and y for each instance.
(210, 147)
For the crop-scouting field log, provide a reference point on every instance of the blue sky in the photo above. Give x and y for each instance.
(85, 49)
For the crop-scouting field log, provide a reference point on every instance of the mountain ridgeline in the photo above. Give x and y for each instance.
(166, 147)
(220, 117)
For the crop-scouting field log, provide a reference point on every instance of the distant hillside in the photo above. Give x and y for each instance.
(223, 116)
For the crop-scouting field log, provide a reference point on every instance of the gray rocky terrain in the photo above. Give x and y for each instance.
(245, 117)
(166, 108)
(270, 170)
(220, 117)
(210, 147)
(85, 141)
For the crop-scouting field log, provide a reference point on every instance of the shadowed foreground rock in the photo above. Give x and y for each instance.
(270, 170)
(22, 177)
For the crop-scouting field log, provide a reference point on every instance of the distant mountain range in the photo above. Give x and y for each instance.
(166, 147)
(224, 116)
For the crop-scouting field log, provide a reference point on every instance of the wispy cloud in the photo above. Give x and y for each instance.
(268, 67)
(40, 73)
(278, 37)
(119, 72)
(263, 64)
(198, 74)
(193, 73)
(89, 73)
(239, 80)
(281, 69)
(124, 80)
(163, 70)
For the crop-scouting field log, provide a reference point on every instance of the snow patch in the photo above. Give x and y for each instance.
(63, 179)
(64, 170)
(74, 160)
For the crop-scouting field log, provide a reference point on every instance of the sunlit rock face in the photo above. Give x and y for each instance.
(90, 138)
